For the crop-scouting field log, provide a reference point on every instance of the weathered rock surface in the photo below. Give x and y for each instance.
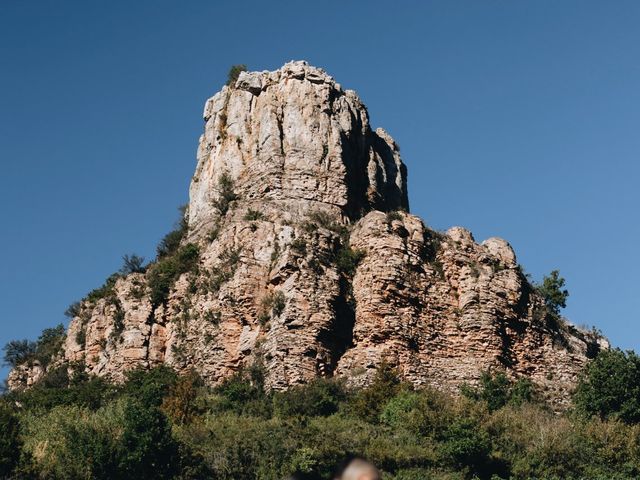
(291, 189)
(296, 139)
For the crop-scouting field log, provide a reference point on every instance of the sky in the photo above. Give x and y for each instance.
(516, 119)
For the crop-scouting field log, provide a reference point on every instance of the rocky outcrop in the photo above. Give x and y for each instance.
(308, 263)
(296, 139)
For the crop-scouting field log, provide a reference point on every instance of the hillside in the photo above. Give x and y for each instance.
(297, 252)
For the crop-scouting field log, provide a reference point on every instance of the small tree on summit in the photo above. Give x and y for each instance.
(234, 73)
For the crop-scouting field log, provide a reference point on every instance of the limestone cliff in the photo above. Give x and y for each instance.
(307, 260)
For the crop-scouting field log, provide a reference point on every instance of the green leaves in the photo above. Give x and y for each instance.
(234, 73)
(555, 297)
(162, 274)
(610, 387)
(43, 350)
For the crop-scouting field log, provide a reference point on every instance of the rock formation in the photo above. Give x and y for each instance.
(308, 262)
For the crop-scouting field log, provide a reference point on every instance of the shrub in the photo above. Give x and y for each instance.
(105, 291)
(392, 216)
(149, 450)
(253, 215)
(73, 310)
(323, 219)
(49, 343)
(465, 444)
(118, 321)
(497, 391)
(347, 260)
(610, 387)
(212, 317)
(522, 391)
(47, 346)
(81, 336)
(425, 413)
(320, 397)
(171, 241)
(17, 352)
(397, 412)
(237, 447)
(179, 404)
(71, 442)
(226, 195)
(234, 73)
(244, 393)
(132, 264)
(273, 304)
(150, 386)
(213, 233)
(299, 245)
(369, 402)
(162, 275)
(160, 425)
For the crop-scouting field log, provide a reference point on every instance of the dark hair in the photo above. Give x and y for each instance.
(342, 466)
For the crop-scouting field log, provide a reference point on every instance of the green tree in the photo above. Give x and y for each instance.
(234, 73)
(497, 391)
(244, 393)
(610, 387)
(73, 310)
(551, 289)
(179, 404)
(226, 193)
(150, 386)
(18, 351)
(320, 397)
(50, 343)
(132, 264)
(465, 444)
(162, 275)
(369, 402)
(149, 449)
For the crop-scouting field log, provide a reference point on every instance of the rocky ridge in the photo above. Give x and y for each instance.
(302, 257)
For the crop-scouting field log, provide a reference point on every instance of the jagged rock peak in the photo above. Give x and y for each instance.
(295, 137)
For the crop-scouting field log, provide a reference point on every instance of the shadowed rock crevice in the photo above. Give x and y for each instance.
(338, 338)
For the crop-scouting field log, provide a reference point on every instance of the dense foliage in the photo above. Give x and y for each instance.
(161, 425)
(610, 387)
(47, 346)
(163, 273)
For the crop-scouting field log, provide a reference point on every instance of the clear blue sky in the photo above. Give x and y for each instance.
(516, 119)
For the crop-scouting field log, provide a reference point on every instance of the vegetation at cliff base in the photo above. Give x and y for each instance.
(158, 424)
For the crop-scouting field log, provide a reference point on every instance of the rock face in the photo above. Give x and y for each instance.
(296, 139)
(308, 263)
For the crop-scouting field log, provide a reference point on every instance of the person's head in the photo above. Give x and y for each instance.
(359, 469)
